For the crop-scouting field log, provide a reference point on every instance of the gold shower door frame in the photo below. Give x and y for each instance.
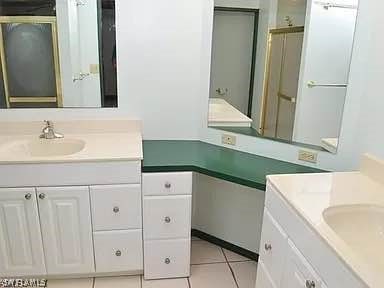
(264, 101)
(32, 20)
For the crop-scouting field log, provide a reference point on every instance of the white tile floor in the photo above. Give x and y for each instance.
(212, 267)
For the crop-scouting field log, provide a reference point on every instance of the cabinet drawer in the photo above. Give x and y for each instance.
(298, 272)
(167, 183)
(118, 251)
(166, 258)
(167, 217)
(116, 207)
(273, 247)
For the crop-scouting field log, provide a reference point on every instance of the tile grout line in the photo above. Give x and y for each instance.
(230, 268)
(93, 282)
(141, 281)
(189, 283)
(209, 263)
(225, 256)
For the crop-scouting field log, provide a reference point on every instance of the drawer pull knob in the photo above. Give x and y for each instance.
(28, 196)
(167, 185)
(42, 196)
(267, 247)
(310, 284)
(118, 253)
(167, 219)
(116, 209)
(167, 261)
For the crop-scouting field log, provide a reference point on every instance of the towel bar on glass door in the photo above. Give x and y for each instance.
(312, 84)
(327, 5)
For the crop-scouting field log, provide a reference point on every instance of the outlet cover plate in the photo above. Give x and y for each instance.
(94, 68)
(228, 139)
(308, 156)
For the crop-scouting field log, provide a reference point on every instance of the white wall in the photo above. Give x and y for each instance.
(228, 211)
(368, 50)
(159, 46)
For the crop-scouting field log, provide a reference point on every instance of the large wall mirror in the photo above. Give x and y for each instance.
(281, 71)
(57, 54)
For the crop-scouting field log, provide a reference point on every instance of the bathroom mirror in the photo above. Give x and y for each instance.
(58, 54)
(281, 71)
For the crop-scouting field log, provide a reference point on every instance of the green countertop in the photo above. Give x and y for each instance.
(219, 162)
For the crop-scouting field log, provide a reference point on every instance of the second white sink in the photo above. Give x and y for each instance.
(361, 227)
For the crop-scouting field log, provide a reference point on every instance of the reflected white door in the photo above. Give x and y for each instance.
(283, 77)
(232, 57)
(328, 43)
(21, 248)
(66, 228)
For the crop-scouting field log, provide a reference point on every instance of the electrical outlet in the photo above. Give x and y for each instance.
(228, 139)
(308, 156)
(94, 68)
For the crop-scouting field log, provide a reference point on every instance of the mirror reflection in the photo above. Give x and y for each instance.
(281, 71)
(57, 54)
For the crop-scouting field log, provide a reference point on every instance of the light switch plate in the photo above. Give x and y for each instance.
(308, 156)
(94, 68)
(228, 139)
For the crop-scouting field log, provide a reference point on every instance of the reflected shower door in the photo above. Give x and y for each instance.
(284, 59)
(29, 58)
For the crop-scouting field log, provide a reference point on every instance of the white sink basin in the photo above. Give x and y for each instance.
(361, 227)
(43, 147)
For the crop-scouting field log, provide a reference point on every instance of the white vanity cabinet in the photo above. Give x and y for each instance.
(117, 228)
(167, 201)
(54, 222)
(292, 255)
(65, 220)
(77, 226)
(298, 272)
(281, 264)
(21, 248)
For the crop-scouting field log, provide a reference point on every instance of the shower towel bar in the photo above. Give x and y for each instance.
(328, 5)
(312, 84)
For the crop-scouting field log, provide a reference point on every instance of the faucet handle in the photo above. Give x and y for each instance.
(49, 123)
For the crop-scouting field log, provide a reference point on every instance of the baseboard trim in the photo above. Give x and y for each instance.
(224, 244)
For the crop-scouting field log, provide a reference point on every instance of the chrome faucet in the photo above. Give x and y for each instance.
(49, 131)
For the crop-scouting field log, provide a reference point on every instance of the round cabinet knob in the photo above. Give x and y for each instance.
(267, 247)
(167, 185)
(28, 196)
(310, 284)
(118, 253)
(116, 209)
(167, 261)
(42, 196)
(167, 219)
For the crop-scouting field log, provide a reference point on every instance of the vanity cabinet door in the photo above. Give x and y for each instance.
(263, 279)
(67, 230)
(21, 248)
(298, 272)
(273, 248)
